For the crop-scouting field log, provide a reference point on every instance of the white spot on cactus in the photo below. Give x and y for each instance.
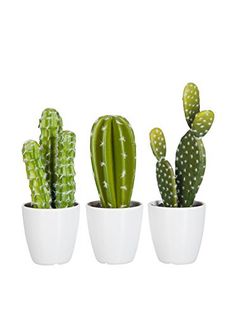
(123, 187)
(123, 174)
(105, 184)
(124, 155)
(122, 139)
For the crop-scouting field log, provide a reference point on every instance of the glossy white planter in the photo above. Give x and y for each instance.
(114, 232)
(51, 233)
(176, 232)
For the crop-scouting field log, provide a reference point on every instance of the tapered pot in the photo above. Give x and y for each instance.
(176, 232)
(114, 232)
(51, 233)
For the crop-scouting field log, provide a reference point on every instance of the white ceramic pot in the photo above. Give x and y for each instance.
(50, 233)
(114, 232)
(176, 232)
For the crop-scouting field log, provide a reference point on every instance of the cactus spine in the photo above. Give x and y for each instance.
(50, 165)
(180, 189)
(65, 172)
(113, 156)
(40, 195)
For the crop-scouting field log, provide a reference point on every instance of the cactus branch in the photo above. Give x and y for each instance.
(65, 173)
(40, 195)
(191, 102)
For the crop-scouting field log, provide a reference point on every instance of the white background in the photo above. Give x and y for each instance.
(88, 58)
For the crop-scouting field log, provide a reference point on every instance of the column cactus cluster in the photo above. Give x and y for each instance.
(113, 156)
(50, 164)
(178, 188)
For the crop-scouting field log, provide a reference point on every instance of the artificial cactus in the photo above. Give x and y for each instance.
(164, 171)
(65, 172)
(40, 194)
(190, 162)
(50, 165)
(113, 156)
(50, 125)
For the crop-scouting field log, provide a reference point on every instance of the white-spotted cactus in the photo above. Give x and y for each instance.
(50, 164)
(181, 187)
(113, 156)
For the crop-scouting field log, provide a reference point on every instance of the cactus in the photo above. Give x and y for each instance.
(40, 195)
(65, 183)
(164, 171)
(50, 125)
(50, 165)
(113, 157)
(180, 189)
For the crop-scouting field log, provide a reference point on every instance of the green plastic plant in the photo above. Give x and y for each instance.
(113, 156)
(179, 188)
(50, 164)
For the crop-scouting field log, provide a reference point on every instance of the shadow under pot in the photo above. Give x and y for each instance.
(114, 232)
(177, 232)
(51, 233)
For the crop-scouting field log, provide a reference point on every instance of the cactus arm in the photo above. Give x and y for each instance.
(202, 123)
(40, 195)
(190, 168)
(166, 183)
(124, 151)
(191, 102)
(65, 173)
(50, 125)
(158, 143)
(164, 171)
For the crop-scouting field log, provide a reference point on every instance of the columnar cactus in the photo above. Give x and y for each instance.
(180, 189)
(40, 195)
(65, 172)
(113, 156)
(50, 125)
(50, 164)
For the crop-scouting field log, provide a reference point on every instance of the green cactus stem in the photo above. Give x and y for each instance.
(113, 156)
(164, 171)
(190, 168)
(191, 102)
(50, 125)
(40, 194)
(65, 173)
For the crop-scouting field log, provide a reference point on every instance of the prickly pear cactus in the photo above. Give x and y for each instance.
(50, 125)
(65, 172)
(40, 194)
(113, 156)
(164, 171)
(190, 160)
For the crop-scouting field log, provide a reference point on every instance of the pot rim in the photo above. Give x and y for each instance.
(27, 206)
(96, 205)
(158, 204)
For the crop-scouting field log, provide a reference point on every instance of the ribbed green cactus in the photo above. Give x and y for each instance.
(180, 189)
(65, 172)
(40, 195)
(113, 156)
(50, 165)
(50, 125)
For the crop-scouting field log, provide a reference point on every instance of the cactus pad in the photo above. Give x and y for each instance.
(158, 143)
(190, 168)
(191, 102)
(166, 183)
(40, 195)
(202, 123)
